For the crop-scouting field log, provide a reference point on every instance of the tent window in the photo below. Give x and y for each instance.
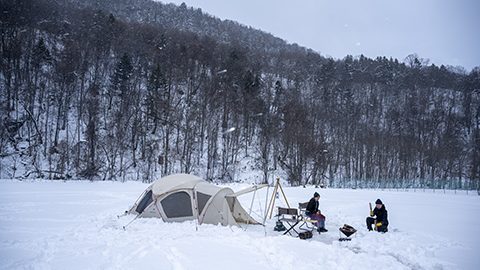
(177, 205)
(146, 200)
(202, 200)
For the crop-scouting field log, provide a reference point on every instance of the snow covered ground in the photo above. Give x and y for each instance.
(74, 225)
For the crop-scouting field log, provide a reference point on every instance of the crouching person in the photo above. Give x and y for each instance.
(378, 218)
(312, 212)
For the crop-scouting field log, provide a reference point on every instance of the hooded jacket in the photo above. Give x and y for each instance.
(312, 207)
(381, 214)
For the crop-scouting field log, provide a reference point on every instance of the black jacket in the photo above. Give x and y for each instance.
(312, 207)
(381, 214)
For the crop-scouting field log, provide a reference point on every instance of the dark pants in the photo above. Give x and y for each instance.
(319, 218)
(371, 221)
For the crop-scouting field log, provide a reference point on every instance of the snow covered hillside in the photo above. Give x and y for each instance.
(74, 225)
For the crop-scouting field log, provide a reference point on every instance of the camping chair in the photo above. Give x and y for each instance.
(308, 223)
(291, 217)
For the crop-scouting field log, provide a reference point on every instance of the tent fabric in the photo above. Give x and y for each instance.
(178, 204)
(174, 182)
(247, 190)
(202, 200)
(146, 200)
(181, 197)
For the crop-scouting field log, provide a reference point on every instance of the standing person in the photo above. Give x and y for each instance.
(381, 217)
(312, 212)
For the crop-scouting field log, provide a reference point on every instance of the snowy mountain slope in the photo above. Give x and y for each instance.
(74, 225)
(97, 91)
(193, 20)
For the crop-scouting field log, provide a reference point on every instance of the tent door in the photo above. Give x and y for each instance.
(146, 200)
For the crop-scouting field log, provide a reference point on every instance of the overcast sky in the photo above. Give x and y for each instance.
(444, 31)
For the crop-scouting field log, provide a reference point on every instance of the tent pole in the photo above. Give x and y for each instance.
(195, 207)
(250, 210)
(272, 201)
(135, 204)
(137, 216)
(125, 227)
(271, 205)
(283, 193)
(266, 207)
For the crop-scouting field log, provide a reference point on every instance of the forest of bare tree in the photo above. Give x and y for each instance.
(106, 91)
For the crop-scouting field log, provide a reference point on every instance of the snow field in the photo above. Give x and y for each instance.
(74, 225)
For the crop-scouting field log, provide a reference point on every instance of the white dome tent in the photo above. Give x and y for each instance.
(181, 197)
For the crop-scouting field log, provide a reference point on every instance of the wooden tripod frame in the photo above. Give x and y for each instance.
(271, 205)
